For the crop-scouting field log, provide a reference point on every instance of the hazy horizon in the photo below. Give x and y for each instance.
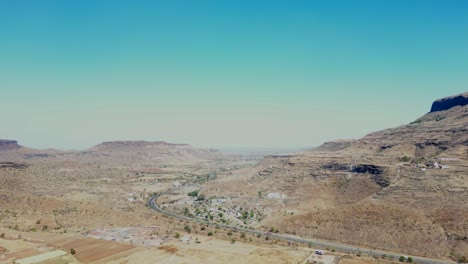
(221, 74)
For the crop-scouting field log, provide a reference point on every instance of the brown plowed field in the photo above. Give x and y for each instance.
(90, 250)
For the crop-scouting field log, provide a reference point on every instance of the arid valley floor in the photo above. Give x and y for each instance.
(402, 191)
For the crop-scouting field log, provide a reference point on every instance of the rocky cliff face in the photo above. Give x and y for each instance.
(449, 102)
(8, 144)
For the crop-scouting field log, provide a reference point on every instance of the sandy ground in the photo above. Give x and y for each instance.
(214, 251)
(356, 261)
(325, 258)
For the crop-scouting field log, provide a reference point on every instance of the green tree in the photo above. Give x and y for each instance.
(401, 259)
(409, 260)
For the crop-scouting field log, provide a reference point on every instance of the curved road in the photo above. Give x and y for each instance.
(347, 248)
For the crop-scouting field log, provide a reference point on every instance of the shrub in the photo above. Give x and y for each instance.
(463, 260)
(177, 235)
(405, 159)
(402, 259)
(210, 233)
(242, 235)
(72, 251)
(410, 260)
(193, 194)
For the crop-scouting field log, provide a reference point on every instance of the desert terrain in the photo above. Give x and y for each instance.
(397, 192)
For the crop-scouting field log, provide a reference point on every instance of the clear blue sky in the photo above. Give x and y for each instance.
(224, 73)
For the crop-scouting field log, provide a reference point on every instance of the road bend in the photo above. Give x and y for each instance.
(324, 244)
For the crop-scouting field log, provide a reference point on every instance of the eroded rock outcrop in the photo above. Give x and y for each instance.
(8, 144)
(449, 102)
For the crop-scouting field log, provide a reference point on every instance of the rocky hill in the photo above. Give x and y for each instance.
(443, 130)
(8, 144)
(402, 189)
(146, 153)
(135, 145)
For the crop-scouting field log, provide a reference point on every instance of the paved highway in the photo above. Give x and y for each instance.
(341, 247)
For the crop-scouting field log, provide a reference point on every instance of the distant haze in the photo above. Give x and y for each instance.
(224, 74)
(260, 151)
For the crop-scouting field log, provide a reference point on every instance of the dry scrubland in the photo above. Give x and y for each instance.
(401, 190)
